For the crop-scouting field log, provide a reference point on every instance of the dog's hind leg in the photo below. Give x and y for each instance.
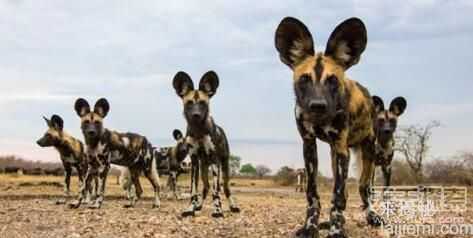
(226, 186)
(153, 177)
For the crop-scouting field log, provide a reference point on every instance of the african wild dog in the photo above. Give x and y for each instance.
(332, 108)
(104, 146)
(207, 141)
(384, 125)
(71, 152)
(301, 179)
(169, 161)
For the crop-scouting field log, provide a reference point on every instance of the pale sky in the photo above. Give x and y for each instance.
(52, 52)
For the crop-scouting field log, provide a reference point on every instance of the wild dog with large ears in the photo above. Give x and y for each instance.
(209, 145)
(385, 124)
(70, 149)
(330, 107)
(172, 158)
(104, 147)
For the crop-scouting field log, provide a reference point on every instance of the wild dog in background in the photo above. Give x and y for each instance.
(301, 180)
(71, 152)
(104, 147)
(169, 161)
(330, 107)
(385, 124)
(208, 143)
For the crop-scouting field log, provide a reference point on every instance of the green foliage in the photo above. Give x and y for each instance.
(248, 169)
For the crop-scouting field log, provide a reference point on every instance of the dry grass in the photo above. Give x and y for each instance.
(267, 211)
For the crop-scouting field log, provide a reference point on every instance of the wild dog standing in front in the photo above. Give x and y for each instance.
(385, 124)
(104, 147)
(329, 107)
(71, 152)
(209, 145)
(169, 161)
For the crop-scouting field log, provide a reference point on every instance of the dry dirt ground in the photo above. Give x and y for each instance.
(27, 209)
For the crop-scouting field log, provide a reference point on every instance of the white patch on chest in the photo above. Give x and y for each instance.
(205, 142)
(329, 129)
(309, 127)
(208, 144)
(96, 151)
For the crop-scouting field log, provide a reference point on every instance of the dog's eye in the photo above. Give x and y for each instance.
(392, 121)
(380, 120)
(87, 121)
(304, 79)
(332, 82)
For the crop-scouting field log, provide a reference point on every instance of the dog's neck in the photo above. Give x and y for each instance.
(201, 129)
(64, 146)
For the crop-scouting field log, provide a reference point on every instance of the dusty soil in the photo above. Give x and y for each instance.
(27, 209)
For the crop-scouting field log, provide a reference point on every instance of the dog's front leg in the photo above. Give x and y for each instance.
(102, 181)
(190, 211)
(310, 228)
(89, 175)
(340, 163)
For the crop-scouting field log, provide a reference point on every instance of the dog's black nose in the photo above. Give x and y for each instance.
(195, 116)
(387, 131)
(91, 133)
(318, 106)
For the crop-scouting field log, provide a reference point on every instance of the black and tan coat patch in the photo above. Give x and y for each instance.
(384, 125)
(330, 107)
(70, 149)
(207, 141)
(104, 147)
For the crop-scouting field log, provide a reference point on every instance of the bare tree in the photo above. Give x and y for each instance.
(413, 144)
(262, 170)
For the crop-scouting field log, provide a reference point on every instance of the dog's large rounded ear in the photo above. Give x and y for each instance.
(102, 107)
(378, 103)
(82, 107)
(398, 105)
(177, 134)
(48, 122)
(182, 83)
(347, 42)
(57, 122)
(293, 41)
(209, 83)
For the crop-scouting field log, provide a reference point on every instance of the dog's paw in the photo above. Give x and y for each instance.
(74, 205)
(312, 232)
(234, 209)
(188, 213)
